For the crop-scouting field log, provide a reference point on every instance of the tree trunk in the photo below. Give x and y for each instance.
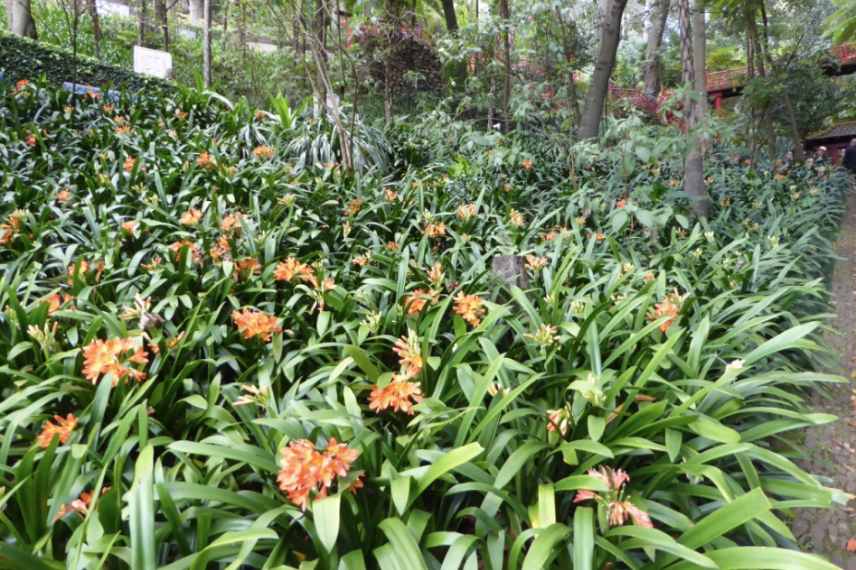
(505, 16)
(656, 26)
(699, 55)
(96, 26)
(569, 47)
(451, 17)
(141, 31)
(162, 17)
(694, 168)
(197, 12)
(206, 44)
(21, 22)
(610, 35)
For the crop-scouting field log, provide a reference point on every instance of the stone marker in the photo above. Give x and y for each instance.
(152, 62)
(511, 269)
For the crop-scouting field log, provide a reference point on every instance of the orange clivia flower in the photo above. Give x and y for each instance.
(621, 204)
(180, 115)
(130, 227)
(21, 84)
(467, 211)
(559, 420)
(536, 263)
(130, 163)
(291, 268)
(253, 323)
(416, 301)
(191, 217)
(618, 508)
(62, 429)
(361, 260)
(31, 140)
(247, 266)
(392, 246)
(390, 195)
(113, 356)
(221, 250)
(526, 165)
(205, 160)
(80, 505)
(516, 219)
(470, 308)
(354, 207)
(122, 130)
(436, 274)
(231, 223)
(12, 227)
(263, 152)
(63, 196)
(400, 395)
(306, 471)
(178, 248)
(669, 307)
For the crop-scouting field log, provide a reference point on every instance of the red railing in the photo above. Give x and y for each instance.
(728, 79)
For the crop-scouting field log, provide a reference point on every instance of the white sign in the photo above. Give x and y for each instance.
(262, 47)
(108, 8)
(152, 62)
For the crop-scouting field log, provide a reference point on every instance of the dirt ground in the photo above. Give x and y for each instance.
(831, 449)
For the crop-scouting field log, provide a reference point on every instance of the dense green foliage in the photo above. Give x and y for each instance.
(676, 352)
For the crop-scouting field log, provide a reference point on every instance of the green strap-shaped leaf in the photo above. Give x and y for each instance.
(583, 537)
(142, 512)
(762, 558)
(544, 547)
(403, 553)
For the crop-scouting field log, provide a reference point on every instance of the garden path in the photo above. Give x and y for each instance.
(832, 447)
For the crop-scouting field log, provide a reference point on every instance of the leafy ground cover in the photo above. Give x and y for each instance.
(223, 351)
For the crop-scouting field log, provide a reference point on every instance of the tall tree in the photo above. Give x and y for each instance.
(21, 22)
(162, 17)
(505, 16)
(96, 26)
(694, 185)
(610, 36)
(656, 27)
(206, 44)
(450, 16)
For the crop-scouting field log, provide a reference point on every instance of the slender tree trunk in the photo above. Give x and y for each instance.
(162, 17)
(700, 55)
(141, 32)
(610, 36)
(505, 16)
(197, 11)
(21, 22)
(206, 44)
(96, 26)
(569, 47)
(451, 17)
(694, 167)
(656, 26)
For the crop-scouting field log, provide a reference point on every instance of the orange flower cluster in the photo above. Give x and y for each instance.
(516, 219)
(618, 509)
(191, 217)
(231, 223)
(247, 266)
(56, 301)
(390, 195)
(409, 355)
(436, 274)
(291, 268)
(221, 250)
(399, 395)
(130, 163)
(63, 196)
(205, 160)
(419, 299)
(180, 115)
(13, 225)
(467, 211)
(263, 152)
(31, 140)
(253, 323)
(130, 227)
(81, 268)
(177, 249)
(113, 356)
(470, 308)
(80, 505)
(306, 471)
(62, 429)
(669, 307)
(526, 165)
(559, 420)
(536, 263)
(21, 85)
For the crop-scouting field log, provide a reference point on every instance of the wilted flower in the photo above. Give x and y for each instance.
(180, 115)
(354, 207)
(61, 429)
(648, 276)
(434, 230)
(621, 203)
(191, 217)
(467, 211)
(536, 263)
(526, 165)
(392, 246)
(559, 420)
(11, 227)
(231, 223)
(253, 323)
(372, 321)
(436, 274)
(305, 470)
(114, 356)
(516, 218)
(247, 266)
(390, 195)
(361, 260)
(220, 250)
(618, 509)
(470, 308)
(252, 395)
(399, 395)
(409, 354)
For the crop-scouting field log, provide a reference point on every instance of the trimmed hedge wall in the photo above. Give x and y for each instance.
(22, 58)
